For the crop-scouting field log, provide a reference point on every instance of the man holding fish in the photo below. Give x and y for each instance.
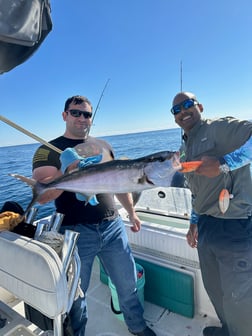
(96, 218)
(221, 222)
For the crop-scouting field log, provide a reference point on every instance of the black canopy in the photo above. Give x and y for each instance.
(24, 24)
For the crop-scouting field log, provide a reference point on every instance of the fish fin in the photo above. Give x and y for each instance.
(29, 181)
(190, 166)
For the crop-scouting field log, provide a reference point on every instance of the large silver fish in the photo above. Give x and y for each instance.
(117, 176)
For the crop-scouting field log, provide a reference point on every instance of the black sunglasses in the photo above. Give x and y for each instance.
(78, 113)
(186, 104)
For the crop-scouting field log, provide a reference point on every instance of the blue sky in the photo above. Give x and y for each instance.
(138, 45)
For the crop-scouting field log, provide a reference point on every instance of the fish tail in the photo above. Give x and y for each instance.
(31, 183)
(187, 167)
(30, 205)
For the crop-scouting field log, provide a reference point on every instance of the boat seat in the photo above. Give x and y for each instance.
(33, 272)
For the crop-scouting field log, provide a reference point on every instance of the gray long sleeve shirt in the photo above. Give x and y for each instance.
(216, 138)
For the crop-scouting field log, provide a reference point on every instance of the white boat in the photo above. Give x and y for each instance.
(176, 303)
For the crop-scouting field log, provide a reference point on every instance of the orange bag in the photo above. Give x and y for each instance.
(9, 220)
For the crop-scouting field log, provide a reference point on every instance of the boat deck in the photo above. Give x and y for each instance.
(103, 322)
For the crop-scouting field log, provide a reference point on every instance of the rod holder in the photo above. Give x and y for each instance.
(31, 215)
(56, 221)
(70, 240)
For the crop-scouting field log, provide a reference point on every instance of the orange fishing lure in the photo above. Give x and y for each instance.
(224, 199)
(187, 167)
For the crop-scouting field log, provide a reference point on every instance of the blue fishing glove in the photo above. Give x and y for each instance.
(68, 156)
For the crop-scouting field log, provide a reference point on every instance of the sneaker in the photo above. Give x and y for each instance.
(215, 331)
(146, 332)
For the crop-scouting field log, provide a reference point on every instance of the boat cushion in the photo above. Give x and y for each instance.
(33, 272)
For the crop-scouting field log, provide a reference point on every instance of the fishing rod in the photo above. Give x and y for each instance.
(181, 89)
(99, 101)
(31, 135)
(181, 76)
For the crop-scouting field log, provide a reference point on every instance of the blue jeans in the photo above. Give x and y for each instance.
(108, 240)
(225, 254)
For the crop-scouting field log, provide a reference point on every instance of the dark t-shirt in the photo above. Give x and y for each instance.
(77, 211)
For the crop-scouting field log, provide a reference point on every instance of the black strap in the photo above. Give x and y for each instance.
(117, 312)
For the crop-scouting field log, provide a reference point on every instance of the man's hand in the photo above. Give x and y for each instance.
(210, 167)
(127, 202)
(135, 221)
(192, 235)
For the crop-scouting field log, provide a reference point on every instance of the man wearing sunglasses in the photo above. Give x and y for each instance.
(223, 236)
(102, 231)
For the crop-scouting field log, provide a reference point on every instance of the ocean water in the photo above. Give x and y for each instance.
(18, 159)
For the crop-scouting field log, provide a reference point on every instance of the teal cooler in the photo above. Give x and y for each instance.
(169, 288)
(140, 290)
(165, 287)
(103, 275)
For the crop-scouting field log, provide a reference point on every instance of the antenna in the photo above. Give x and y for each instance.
(181, 76)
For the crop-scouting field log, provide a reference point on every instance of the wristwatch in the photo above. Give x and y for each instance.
(224, 168)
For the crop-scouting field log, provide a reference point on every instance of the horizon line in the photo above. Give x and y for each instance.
(98, 136)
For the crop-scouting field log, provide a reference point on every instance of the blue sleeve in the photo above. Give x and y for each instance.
(240, 157)
(194, 217)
